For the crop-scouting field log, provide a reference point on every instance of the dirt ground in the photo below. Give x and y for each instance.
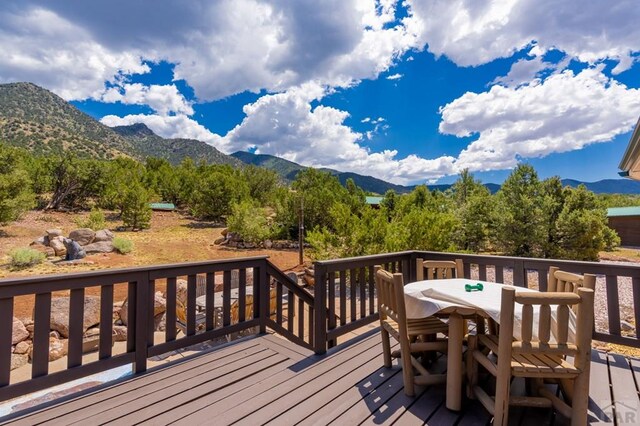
(172, 238)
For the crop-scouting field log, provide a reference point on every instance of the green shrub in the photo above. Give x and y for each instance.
(25, 257)
(250, 222)
(95, 220)
(122, 245)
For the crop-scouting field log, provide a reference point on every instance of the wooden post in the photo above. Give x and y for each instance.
(320, 308)
(142, 322)
(454, 362)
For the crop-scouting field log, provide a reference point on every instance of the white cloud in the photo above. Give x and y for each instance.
(565, 112)
(365, 120)
(473, 33)
(286, 125)
(219, 48)
(40, 46)
(396, 76)
(164, 99)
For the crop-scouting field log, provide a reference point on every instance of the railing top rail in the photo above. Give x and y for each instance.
(349, 262)
(105, 273)
(533, 262)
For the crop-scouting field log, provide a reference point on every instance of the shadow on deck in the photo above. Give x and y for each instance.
(266, 379)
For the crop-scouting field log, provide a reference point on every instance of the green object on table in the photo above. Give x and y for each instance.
(470, 287)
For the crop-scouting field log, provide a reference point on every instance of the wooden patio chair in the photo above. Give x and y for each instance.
(558, 280)
(394, 322)
(537, 359)
(439, 269)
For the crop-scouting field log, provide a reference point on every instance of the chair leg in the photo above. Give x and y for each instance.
(386, 347)
(501, 411)
(472, 366)
(407, 373)
(580, 403)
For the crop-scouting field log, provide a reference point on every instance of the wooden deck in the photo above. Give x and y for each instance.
(267, 380)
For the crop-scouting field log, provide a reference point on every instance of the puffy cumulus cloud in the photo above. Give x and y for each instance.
(168, 126)
(42, 47)
(470, 32)
(396, 76)
(164, 99)
(220, 48)
(565, 112)
(286, 125)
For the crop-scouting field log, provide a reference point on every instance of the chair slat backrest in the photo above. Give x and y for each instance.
(439, 269)
(566, 281)
(562, 302)
(390, 288)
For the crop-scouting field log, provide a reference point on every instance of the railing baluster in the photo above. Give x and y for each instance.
(363, 293)
(151, 285)
(170, 331)
(279, 294)
(310, 322)
(226, 298)
(300, 318)
(499, 274)
(635, 282)
(332, 300)
(542, 280)
(482, 274)
(192, 281)
(467, 270)
(613, 305)
(372, 288)
(76, 327)
(41, 320)
(242, 295)
(291, 310)
(256, 292)
(106, 321)
(352, 291)
(343, 297)
(6, 330)
(519, 274)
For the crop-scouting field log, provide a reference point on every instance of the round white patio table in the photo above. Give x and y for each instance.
(449, 297)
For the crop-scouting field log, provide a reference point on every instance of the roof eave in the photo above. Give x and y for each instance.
(630, 163)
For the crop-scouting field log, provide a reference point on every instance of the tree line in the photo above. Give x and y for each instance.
(527, 217)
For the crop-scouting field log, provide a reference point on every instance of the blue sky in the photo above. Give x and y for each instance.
(409, 92)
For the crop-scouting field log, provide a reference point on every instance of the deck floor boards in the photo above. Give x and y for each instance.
(268, 380)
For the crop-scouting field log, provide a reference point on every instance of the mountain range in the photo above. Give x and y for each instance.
(34, 118)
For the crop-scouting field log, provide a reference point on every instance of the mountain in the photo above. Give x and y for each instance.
(607, 186)
(148, 144)
(288, 170)
(42, 122)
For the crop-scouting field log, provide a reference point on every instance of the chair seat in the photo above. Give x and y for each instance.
(417, 327)
(533, 364)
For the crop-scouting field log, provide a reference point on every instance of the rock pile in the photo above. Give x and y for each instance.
(52, 243)
(232, 239)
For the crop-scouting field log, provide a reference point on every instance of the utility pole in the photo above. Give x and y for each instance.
(301, 231)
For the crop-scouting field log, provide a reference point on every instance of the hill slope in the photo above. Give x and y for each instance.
(608, 186)
(42, 122)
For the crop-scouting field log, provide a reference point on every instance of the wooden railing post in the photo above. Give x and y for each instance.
(519, 273)
(263, 298)
(142, 322)
(320, 308)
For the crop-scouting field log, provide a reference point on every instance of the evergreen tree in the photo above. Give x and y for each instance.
(136, 212)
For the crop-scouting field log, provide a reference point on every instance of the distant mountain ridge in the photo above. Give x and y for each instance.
(36, 119)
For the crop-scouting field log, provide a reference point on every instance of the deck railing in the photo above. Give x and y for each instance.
(246, 296)
(254, 295)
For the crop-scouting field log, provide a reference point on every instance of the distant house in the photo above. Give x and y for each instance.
(626, 222)
(630, 163)
(373, 201)
(162, 207)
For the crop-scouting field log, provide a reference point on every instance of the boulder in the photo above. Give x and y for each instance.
(19, 332)
(219, 241)
(159, 306)
(60, 314)
(103, 235)
(99, 247)
(22, 348)
(268, 244)
(626, 326)
(74, 250)
(52, 233)
(224, 232)
(18, 360)
(83, 236)
(160, 322)
(93, 331)
(120, 333)
(58, 246)
(41, 241)
(57, 348)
